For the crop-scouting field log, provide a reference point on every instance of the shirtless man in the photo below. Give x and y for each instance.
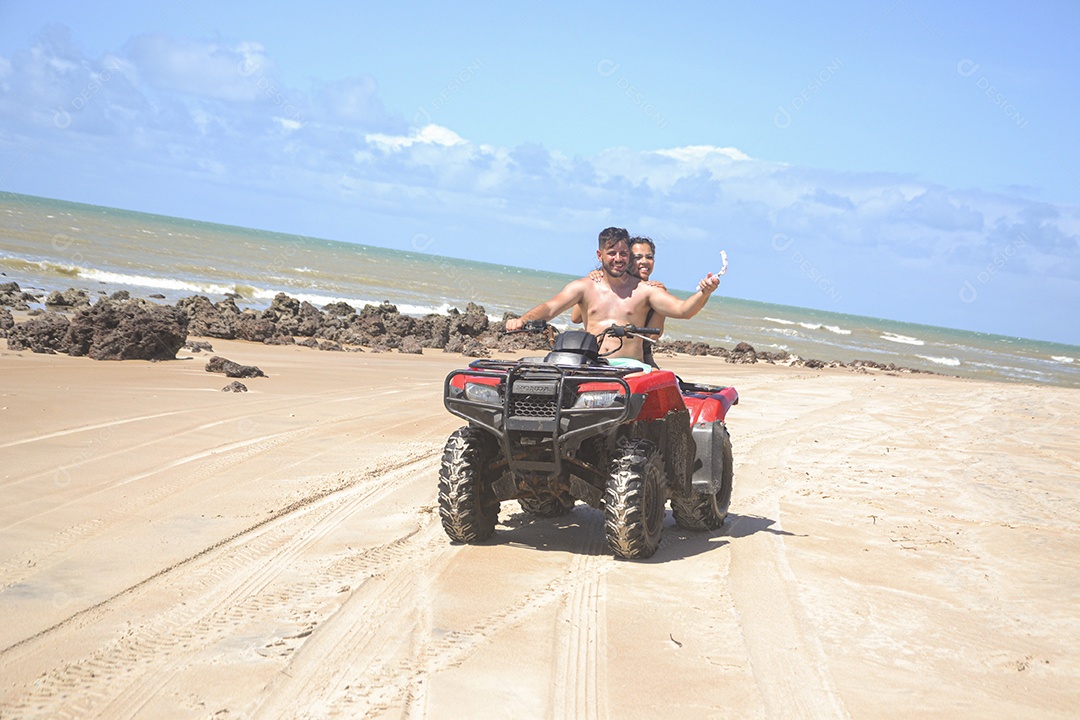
(619, 298)
(642, 264)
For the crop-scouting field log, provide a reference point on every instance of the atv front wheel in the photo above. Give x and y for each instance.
(634, 500)
(467, 504)
(703, 510)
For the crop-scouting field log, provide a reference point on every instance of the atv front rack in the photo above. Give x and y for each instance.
(540, 415)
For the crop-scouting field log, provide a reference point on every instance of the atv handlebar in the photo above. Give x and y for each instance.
(624, 330)
(533, 326)
(619, 331)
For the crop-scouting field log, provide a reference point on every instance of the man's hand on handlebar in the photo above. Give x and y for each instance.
(516, 325)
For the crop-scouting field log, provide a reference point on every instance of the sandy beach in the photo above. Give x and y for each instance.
(899, 546)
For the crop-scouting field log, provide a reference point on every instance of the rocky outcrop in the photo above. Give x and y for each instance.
(292, 317)
(235, 386)
(133, 330)
(206, 319)
(254, 328)
(111, 331)
(411, 346)
(12, 296)
(47, 333)
(66, 300)
(743, 353)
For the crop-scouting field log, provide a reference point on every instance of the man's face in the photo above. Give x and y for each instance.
(615, 259)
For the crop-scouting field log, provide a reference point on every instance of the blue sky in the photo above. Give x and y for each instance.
(902, 159)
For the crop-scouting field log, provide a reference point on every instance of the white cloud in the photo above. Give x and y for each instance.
(702, 154)
(427, 135)
(202, 69)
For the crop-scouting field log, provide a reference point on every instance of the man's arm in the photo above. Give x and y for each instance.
(670, 306)
(569, 296)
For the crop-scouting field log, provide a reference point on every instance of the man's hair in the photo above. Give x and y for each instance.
(613, 236)
(642, 240)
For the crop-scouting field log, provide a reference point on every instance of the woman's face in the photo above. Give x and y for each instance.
(641, 260)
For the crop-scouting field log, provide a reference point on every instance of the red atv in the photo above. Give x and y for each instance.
(549, 431)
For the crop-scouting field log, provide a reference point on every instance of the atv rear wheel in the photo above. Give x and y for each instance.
(703, 510)
(467, 504)
(634, 500)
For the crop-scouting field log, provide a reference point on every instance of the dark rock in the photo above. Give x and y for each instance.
(70, 298)
(411, 346)
(473, 323)
(157, 296)
(235, 386)
(198, 346)
(253, 328)
(232, 369)
(216, 364)
(349, 337)
(6, 321)
(814, 364)
(282, 306)
(337, 309)
(383, 321)
(743, 353)
(121, 295)
(46, 334)
(309, 342)
(292, 317)
(280, 340)
(133, 330)
(455, 344)
(228, 308)
(331, 346)
(380, 344)
(719, 352)
(206, 319)
(517, 341)
(475, 348)
(11, 295)
(433, 330)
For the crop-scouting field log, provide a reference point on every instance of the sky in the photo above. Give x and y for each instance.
(900, 159)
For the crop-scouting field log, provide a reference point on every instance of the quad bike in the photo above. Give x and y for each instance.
(549, 431)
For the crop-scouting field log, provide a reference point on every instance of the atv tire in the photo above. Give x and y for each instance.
(467, 503)
(634, 500)
(702, 510)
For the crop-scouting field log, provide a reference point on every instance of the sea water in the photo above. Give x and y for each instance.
(52, 245)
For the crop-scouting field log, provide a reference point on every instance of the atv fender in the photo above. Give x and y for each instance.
(709, 461)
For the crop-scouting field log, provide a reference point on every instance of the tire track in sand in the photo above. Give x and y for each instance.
(380, 649)
(579, 690)
(227, 585)
(19, 567)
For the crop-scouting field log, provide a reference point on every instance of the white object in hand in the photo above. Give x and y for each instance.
(723, 258)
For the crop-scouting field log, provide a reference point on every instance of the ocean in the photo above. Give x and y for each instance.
(52, 245)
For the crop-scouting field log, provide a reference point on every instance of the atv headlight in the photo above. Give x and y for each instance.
(597, 399)
(479, 392)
